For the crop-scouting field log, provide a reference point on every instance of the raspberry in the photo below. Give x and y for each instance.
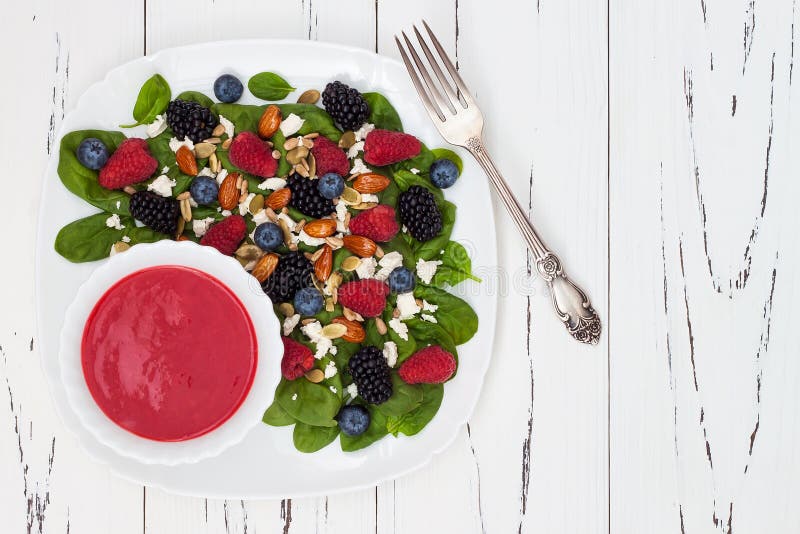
(329, 157)
(367, 297)
(252, 155)
(383, 147)
(297, 359)
(371, 375)
(431, 365)
(226, 235)
(130, 164)
(419, 213)
(157, 212)
(378, 223)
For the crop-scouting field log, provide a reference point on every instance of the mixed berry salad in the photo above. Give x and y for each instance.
(339, 215)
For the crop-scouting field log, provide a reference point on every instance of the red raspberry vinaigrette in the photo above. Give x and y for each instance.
(169, 353)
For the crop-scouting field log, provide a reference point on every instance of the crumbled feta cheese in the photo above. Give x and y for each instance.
(341, 214)
(400, 328)
(294, 397)
(260, 217)
(330, 369)
(369, 197)
(359, 167)
(407, 305)
(355, 149)
(174, 144)
(221, 175)
(333, 350)
(414, 170)
(426, 269)
(303, 237)
(352, 390)
(205, 171)
(165, 170)
(200, 226)
(162, 185)
(288, 220)
(390, 353)
(389, 263)
(228, 126)
(226, 213)
(313, 331)
(429, 318)
(244, 206)
(126, 239)
(157, 127)
(366, 268)
(362, 132)
(291, 125)
(427, 306)
(115, 222)
(404, 229)
(272, 183)
(289, 323)
(333, 390)
(118, 204)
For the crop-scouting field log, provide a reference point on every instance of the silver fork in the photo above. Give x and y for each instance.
(455, 113)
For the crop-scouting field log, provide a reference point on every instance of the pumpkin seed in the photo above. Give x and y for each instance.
(347, 139)
(350, 263)
(350, 196)
(248, 252)
(315, 375)
(309, 97)
(333, 330)
(121, 246)
(286, 309)
(257, 204)
(329, 304)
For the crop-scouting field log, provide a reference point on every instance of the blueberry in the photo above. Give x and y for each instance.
(308, 301)
(204, 190)
(353, 420)
(92, 153)
(330, 185)
(268, 236)
(228, 88)
(401, 280)
(443, 173)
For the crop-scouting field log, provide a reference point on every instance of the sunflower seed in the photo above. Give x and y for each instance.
(296, 155)
(378, 252)
(291, 143)
(329, 304)
(129, 189)
(335, 242)
(312, 165)
(181, 228)
(218, 131)
(312, 135)
(186, 210)
(287, 234)
(349, 314)
(365, 205)
(315, 256)
(271, 215)
(380, 325)
(204, 150)
(213, 140)
(276, 154)
(395, 313)
(213, 163)
(307, 320)
(300, 225)
(226, 144)
(183, 196)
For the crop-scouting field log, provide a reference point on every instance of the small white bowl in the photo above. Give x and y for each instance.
(270, 350)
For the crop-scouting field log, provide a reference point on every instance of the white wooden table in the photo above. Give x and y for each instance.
(652, 141)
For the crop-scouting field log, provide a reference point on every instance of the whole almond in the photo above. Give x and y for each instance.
(359, 245)
(324, 263)
(320, 228)
(370, 183)
(270, 121)
(279, 199)
(186, 162)
(265, 267)
(228, 195)
(354, 332)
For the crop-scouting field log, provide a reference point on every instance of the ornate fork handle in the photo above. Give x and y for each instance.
(569, 301)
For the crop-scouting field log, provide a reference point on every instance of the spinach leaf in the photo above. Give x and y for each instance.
(405, 348)
(455, 316)
(375, 431)
(414, 421)
(382, 113)
(431, 250)
(243, 116)
(427, 333)
(81, 181)
(399, 244)
(196, 96)
(277, 416)
(456, 266)
(153, 100)
(405, 179)
(314, 404)
(446, 153)
(421, 162)
(405, 397)
(309, 438)
(269, 86)
(90, 238)
(316, 120)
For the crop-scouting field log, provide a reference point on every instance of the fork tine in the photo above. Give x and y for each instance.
(451, 94)
(433, 110)
(462, 87)
(432, 89)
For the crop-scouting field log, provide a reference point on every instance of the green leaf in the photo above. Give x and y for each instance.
(406, 179)
(246, 117)
(153, 100)
(81, 181)
(422, 162)
(382, 113)
(314, 404)
(405, 397)
(412, 422)
(454, 315)
(196, 96)
(90, 238)
(446, 153)
(401, 245)
(309, 438)
(456, 266)
(431, 250)
(277, 416)
(269, 86)
(375, 431)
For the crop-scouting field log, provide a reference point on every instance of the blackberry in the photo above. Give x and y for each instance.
(307, 198)
(190, 119)
(346, 105)
(292, 273)
(159, 213)
(371, 375)
(419, 213)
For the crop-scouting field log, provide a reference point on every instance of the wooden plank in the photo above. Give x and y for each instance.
(703, 176)
(49, 484)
